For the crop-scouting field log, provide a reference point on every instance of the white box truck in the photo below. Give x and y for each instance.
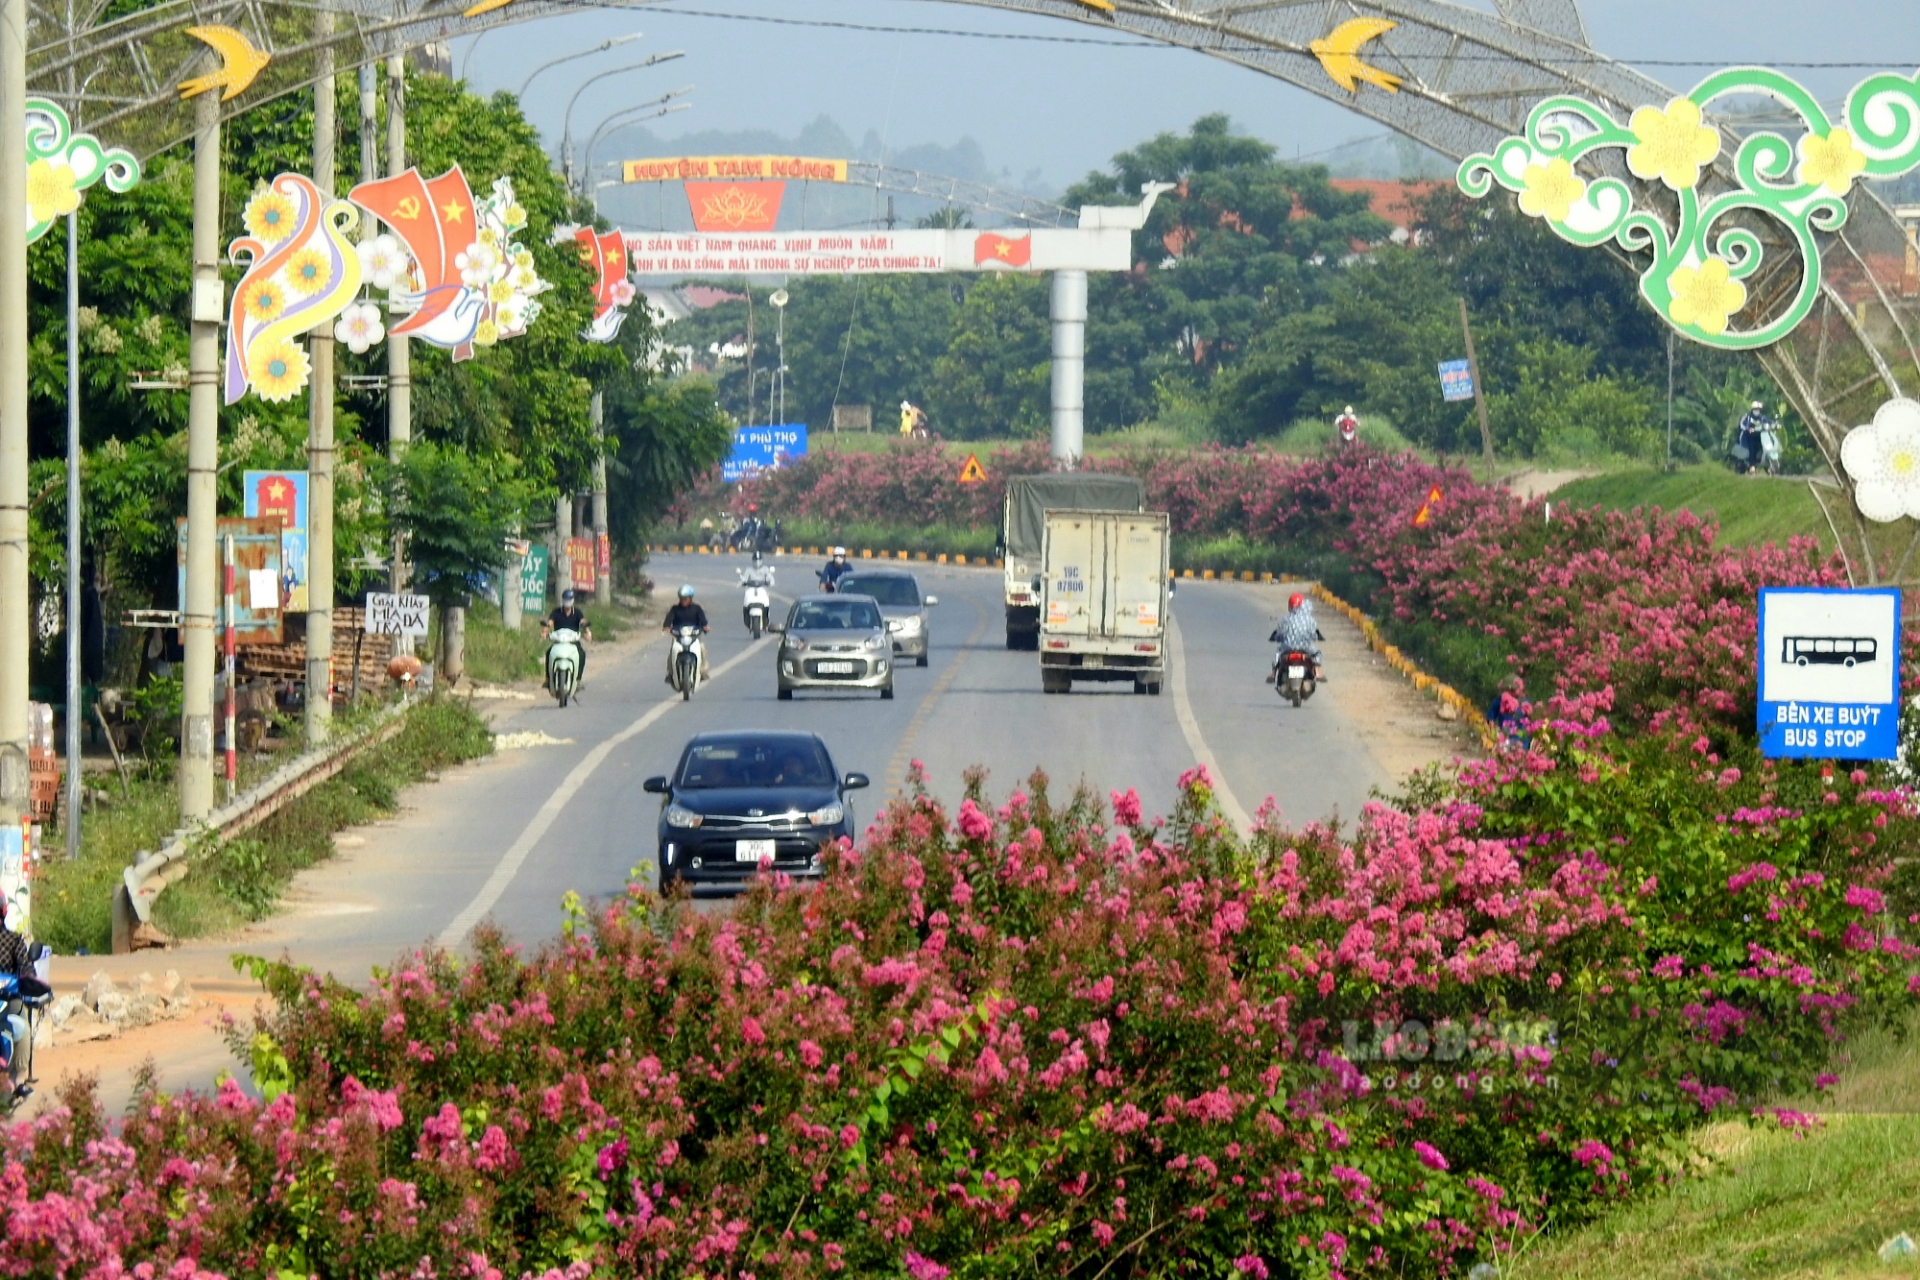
(1022, 530)
(1104, 598)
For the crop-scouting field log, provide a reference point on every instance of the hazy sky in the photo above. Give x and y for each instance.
(1062, 109)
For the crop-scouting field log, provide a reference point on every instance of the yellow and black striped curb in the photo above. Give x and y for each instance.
(1443, 693)
(942, 557)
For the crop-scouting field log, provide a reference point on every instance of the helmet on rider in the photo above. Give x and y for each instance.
(1758, 407)
(686, 592)
(752, 507)
(1295, 600)
(839, 553)
(1348, 409)
(566, 597)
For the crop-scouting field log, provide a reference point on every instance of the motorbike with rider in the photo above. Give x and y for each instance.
(836, 569)
(686, 622)
(1756, 444)
(756, 602)
(1296, 664)
(1347, 426)
(566, 631)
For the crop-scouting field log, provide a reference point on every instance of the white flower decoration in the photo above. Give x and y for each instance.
(477, 265)
(382, 261)
(359, 327)
(1883, 459)
(621, 293)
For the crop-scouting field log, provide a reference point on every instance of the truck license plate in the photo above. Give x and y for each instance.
(1093, 660)
(834, 668)
(752, 850)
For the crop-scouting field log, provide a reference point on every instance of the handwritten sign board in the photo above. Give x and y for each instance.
(391, 614)
(1456, 380)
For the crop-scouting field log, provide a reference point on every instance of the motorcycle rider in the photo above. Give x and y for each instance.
(15, 955)
(837, 568)
(748, 534)
(568, 616)
(686, 613)
(1298, 630)
(1347, 426)
(1756, 421)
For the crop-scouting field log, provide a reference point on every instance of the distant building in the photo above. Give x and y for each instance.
(1389, 200)
(435, 58)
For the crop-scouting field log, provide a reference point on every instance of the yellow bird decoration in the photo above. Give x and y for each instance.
(1339, 54)
(240, 63)
(485, 6)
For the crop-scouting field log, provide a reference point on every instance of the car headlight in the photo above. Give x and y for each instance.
(910, 625)
(796, 643)
(830, 816)
(679, 817)
(875, 642)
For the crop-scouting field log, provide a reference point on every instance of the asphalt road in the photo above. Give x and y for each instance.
(507, 838)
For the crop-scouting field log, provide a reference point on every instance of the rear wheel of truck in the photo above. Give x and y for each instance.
(1052, 683)
(1154, 688)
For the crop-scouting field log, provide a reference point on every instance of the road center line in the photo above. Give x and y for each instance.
(1190, 727)
(512, 860)
(896, 778)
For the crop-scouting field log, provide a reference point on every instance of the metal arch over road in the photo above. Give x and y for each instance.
(1466, 78)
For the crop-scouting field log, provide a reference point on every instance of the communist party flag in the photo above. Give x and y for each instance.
(991, 247)
(606, 256)
(1425, 513)
(276, 496)
(436, 220)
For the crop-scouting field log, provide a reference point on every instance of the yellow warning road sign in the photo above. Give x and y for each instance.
(973, 472)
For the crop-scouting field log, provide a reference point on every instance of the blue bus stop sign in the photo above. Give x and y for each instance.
(1830, 673)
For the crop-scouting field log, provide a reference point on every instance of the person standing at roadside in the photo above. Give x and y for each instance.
(1347, 427)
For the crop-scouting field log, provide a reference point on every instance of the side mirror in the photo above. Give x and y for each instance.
(655, 786)
(855, 781)
(931, 601)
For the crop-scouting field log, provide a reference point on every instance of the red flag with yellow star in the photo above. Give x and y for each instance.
(992, 247)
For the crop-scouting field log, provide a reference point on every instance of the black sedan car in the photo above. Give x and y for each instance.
(740, 801)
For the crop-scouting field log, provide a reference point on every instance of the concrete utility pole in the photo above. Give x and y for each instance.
(319, 713)
(13, 413)
(602, 582)
(399, 365)
(203, 461)
(1069, 366)
(562, 530)
(1479, 391)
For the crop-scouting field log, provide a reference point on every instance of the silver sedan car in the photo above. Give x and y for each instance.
(901, 604)
(836, 641)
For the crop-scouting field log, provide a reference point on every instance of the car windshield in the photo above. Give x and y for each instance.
(755, 764)
(890, 589)
(834, 615)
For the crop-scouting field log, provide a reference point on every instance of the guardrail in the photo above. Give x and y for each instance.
(141, 883)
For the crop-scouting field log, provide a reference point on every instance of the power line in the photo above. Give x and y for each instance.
(1030, 38)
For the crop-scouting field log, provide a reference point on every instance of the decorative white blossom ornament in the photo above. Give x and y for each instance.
(1883, 460)
(383, 262)
(360, 327)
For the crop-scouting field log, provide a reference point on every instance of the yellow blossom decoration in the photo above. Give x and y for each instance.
(487, 334)
(1705, 296)
(499, 291)
(516, 216)
(1551, 190)
(309, 272)
(1673, 144)
(263, 300)
(50, 190)
(1832, 162)
(269, 217)
(279, 372)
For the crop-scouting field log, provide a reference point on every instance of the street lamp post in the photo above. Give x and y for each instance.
(399, 358)
(779, 301)
(621, 120)
(602, 47)
(566, 130)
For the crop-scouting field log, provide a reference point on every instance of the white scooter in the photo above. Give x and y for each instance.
(756, 605)
(563, 664)
(689, 659)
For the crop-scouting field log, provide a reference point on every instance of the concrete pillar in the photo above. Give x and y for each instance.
(562, 530)
(399, 363)
(1069, 365)
(14, 601)
(454, 663)
(319, 711)
(510, 592)
(203, 459)
(602, 583)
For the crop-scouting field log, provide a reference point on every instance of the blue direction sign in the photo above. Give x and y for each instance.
(1830, 673)
(1456, 380)
(764, 449)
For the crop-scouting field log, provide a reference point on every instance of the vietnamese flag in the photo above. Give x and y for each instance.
(990, 246)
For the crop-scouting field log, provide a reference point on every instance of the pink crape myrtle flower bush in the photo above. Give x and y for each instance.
(1033, 1039)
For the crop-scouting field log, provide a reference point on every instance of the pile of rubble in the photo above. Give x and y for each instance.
(102, 1009)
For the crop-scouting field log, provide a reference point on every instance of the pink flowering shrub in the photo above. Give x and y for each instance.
(1034, 1039)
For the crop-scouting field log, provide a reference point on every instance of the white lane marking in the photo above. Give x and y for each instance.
(511, 861)
(1190, 728)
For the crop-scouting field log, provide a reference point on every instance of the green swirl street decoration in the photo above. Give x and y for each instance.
(1702, 245)
(61, 164)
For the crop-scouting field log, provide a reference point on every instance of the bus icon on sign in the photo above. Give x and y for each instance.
(1801, 651)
